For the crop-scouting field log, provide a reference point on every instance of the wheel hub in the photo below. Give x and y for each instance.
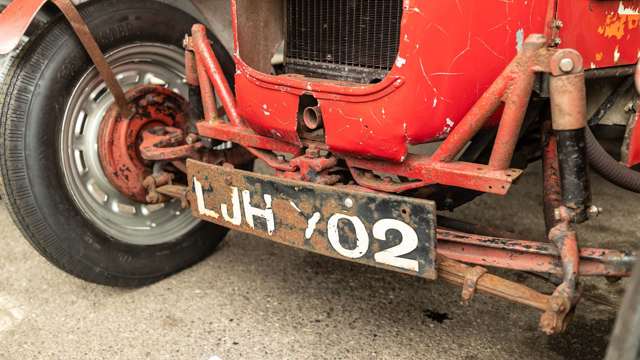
(116, 214)
(119, 138)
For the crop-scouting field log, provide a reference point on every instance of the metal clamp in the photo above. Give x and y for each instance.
(470, 284)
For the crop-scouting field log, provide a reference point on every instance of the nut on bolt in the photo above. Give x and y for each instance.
(594, 211)
(191, 139)
(566, 65)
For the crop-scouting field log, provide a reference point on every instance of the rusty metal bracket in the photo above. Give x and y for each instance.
(155, 181)
(470, 284)
(369, 180)
(81, 29)
(164, 143)
(566, 296)
(562, 234)
(314, 167)
(176, 192)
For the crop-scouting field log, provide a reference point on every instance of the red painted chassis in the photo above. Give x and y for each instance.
(513, 89)
(508, 95)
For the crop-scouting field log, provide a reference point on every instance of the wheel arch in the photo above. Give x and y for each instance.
(19, 14)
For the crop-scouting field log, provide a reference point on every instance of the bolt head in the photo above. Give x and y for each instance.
(348, 203)
(186, 42)
(557, 214)
(629, 107)
(191, 139)
(566, 65)
(594, 211)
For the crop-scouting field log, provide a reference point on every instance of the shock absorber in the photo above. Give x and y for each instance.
(569, 121)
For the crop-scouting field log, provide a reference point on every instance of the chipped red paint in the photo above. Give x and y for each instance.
(606, 33)
(436, 79)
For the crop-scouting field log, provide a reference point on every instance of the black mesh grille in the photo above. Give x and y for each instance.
(325, 34)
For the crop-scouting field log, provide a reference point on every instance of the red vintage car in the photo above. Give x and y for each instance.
(130, 130)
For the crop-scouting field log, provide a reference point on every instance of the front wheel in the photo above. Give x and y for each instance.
(57, 192)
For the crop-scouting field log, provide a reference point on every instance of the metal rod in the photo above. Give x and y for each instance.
(474, 120)
(516, 102)
(456, 272)
(81, 29)
(617, 71)
(526, 255)
(209, 105)
(611, 100)
(205, 54)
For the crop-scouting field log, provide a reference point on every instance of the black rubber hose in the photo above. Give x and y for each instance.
(610, 169)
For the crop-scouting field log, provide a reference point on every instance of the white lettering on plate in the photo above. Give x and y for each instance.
(311, 225)
(202, 209)
(362, 237)
(237, 212)
(250, 212)
(393, 256)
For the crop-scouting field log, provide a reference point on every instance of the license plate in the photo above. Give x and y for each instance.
(386, 231)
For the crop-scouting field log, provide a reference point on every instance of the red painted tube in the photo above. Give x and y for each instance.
(474, 120)
(205, 54)
(190, 72)
(209, 104)
(512, 118)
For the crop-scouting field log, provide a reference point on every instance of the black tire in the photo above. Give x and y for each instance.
(34, 96)
(625, 340)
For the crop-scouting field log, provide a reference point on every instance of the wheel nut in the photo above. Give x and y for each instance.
(566, 65)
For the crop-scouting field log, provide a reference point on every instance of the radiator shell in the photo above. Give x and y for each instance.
(449, 53)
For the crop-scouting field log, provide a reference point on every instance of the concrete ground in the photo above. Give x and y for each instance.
(257, 300)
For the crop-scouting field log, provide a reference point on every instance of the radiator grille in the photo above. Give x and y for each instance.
(325, 36)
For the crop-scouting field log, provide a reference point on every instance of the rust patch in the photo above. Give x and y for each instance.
(616, 25)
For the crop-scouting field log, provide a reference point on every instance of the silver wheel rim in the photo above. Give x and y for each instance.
(113, 213)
